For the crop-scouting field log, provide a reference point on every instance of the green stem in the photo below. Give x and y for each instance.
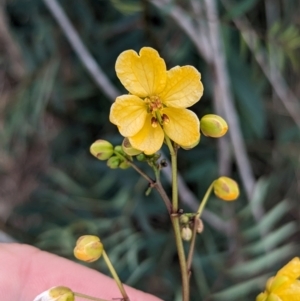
(182, 259)
(161, 191)
(174, 175)
(204, 200)
(88, 297)
(134, 167)
(115, 276)
(192, 248)
(153, 184)
(176, 225)
(197, 216)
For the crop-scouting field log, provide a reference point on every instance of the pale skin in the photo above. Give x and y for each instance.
(26, 272)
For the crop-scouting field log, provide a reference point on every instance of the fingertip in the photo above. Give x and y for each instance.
(27, 271)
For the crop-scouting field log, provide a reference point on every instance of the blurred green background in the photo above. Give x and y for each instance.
(52, 109)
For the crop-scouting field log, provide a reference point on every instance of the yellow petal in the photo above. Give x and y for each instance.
(183, 126)
(149, 139)
(128, 112)
(291, 270)
(292, 293)
(142, 75)
(184, 87)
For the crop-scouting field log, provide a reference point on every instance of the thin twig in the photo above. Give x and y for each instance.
(88, 61)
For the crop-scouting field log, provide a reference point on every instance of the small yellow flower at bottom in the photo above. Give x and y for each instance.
(285, 286)
(88, 248)
(57, 293)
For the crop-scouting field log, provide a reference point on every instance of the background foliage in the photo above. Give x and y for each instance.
(53, 190)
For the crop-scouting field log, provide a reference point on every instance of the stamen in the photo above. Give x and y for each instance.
(154, 122)
(165, 119)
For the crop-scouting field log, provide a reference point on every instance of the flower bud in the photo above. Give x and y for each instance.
(113, 162)
(186, 233)
(141, 157)
(128, 149)
(213, 126)
(119, 149)
(124, 165)
(58, 293)
(226, 189)
(102, 149)
(88, 248)
(184, 219)
(199, 225)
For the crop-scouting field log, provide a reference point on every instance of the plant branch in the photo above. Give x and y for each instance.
(88, 61)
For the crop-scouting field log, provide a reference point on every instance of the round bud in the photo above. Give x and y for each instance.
(213, 126)
(88, 248)
(184, 219)
(199, 225)
(124, 165)
(141, 157)
(113, 162)
(119, 149)
(186, 233)
(102, 149)
(57, 293)
(226, 189)
(128, 149)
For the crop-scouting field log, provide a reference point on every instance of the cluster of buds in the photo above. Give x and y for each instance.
(116, 156)
(187, 223)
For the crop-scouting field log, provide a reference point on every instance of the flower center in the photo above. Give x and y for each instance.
(154, 104)
(155, 107)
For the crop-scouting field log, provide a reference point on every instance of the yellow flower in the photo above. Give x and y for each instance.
(157, 101)
(285, 286)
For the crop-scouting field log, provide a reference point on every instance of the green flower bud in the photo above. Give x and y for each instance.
(58, 293)
(113, 162)
(186, 233)
(128, 149)
(119, 149)
(213, 126)
(184, 219)
(88, 248)
(141, 157)
(226, 189)
(102, 149)
(124, 165)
